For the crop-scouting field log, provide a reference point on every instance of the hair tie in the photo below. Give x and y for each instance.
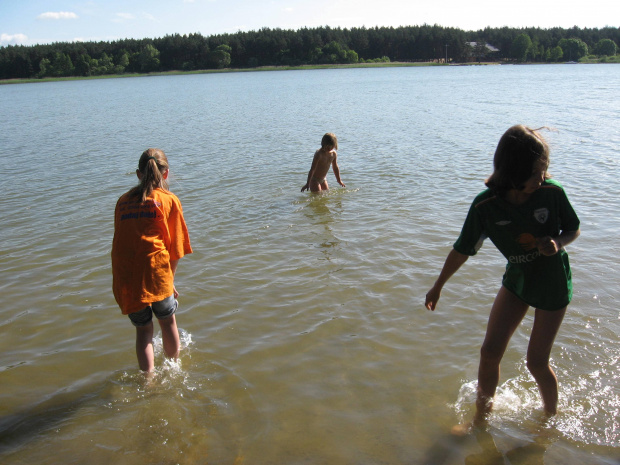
(151, 158)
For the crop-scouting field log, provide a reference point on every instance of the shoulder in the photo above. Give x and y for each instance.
(126, 197)
(552, 184)
(166, 197)
(483, 198)
(551, 188)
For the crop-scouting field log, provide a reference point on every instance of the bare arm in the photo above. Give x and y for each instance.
(337, 172)
(452, 264)
(552, 245)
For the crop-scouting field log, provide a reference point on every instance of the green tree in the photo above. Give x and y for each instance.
(556, 53)
(105, 65)
(62, 65)
(220, 57)
(123, 63)
(148, 59)
(352, 56)
(44, 67)
(315, 55)
(573, 49)
(82, 65)
(606, 47)
(521, 47)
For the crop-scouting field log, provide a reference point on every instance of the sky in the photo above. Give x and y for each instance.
(30, 22)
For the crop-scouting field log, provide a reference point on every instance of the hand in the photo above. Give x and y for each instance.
(305, 187)
(432, 297)
(548, 246)
(175, 292)
(341, 183)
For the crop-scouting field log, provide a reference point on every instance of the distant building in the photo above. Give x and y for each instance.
(481, 52)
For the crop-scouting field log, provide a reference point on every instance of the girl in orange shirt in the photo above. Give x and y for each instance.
(150, 237)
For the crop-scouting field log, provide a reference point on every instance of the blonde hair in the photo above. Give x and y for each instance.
(519, 151)
(153, 165)
(330, 139)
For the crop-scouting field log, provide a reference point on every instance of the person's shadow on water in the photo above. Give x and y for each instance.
(444, 452)
(528, 454)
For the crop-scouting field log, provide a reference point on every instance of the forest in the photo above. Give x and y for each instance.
(316, 46)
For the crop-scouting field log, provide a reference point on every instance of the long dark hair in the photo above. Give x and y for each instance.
(519, 151)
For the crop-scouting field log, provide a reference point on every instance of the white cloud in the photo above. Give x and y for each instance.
(58, 15)
(13, 39)
(124, 17)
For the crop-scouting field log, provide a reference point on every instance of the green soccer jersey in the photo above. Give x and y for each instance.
(540, 281)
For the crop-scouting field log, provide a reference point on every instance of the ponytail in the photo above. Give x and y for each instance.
(152, 165)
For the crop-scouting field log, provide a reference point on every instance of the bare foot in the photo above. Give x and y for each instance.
(463, 429)
(469, 427)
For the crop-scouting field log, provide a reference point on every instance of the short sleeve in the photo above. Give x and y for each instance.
(568, 218)
(472, 234)
(179, 235)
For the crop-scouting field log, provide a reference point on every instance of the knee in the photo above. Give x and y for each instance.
(537, 366)
(490, 354)
(169, 321)
(145, 330)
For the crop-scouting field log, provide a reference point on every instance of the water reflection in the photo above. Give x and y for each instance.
(323, 209)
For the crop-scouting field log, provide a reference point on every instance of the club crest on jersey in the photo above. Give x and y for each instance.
(541, 215)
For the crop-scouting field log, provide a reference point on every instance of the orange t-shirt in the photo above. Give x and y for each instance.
(147, 236)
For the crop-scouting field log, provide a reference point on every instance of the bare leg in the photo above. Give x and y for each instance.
(546, 326)
(170, 337)
(316, 187)
(506, 315)
(144, 347)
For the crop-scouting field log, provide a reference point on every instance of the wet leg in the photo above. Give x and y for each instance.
(170, 337)
(144, 347)
(546, 327)
(506, 315)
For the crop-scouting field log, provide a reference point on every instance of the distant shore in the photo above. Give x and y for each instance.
(393, 64)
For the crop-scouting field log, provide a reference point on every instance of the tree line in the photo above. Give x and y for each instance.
(323, 45)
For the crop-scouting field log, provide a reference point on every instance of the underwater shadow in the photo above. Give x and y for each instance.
(450, 448)
(19, 428)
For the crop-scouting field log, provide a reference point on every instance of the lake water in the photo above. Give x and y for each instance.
(305, 339)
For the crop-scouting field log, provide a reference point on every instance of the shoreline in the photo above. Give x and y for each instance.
(393, 64)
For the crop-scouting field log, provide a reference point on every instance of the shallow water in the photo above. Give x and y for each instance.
(304, 335)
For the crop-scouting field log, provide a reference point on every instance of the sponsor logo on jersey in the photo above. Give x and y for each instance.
(528, 243)
(541, 215)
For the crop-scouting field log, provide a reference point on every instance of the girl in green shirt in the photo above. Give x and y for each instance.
(529, 219)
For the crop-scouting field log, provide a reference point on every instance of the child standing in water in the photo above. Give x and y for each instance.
(529, 219)
(323, 158)
(150, 236)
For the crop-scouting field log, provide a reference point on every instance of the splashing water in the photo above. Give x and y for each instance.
(589, 405)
